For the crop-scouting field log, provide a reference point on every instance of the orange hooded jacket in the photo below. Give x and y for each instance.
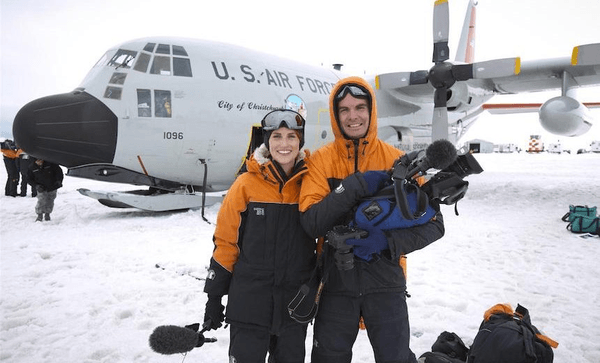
(342, 157)
(333, 186)
(262, 254)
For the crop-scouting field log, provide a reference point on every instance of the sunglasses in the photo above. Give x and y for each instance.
(355, 91)
(282, 118)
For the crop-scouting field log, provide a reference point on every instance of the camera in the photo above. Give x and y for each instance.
(464, 165)
(336, 238)
(447, 186)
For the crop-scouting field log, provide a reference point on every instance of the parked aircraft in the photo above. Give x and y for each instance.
(180, 115)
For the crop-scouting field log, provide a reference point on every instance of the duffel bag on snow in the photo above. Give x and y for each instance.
(509, 337)
(584, 224)
(579, 210)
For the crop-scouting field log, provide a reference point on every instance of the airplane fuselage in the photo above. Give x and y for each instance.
(162, 111)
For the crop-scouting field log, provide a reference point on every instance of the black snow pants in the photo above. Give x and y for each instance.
(12, 181)
(251, 344)
(386, 318)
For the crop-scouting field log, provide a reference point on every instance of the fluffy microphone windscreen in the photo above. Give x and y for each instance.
(440, 154)
(171, 339)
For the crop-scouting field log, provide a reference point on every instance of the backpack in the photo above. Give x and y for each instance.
(448, 348)
(509, 337)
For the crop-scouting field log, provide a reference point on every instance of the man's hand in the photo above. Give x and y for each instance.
(372, 244)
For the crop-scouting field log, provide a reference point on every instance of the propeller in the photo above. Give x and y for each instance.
(444, 74)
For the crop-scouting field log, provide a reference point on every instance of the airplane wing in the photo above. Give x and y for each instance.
(464, 89)
(581, 70)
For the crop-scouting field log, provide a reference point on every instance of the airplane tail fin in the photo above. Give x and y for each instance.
(466, 46)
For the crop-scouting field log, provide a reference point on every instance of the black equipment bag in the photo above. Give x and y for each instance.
(448, 348)
(507, 337)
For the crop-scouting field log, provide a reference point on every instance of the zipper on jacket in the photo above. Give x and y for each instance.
(356, 143)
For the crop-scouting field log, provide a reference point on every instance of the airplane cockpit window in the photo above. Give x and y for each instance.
(182, 67)
(163, 49)
(150, 47)
(179, 50)
(118, 78)
(161, 65)
(144, 103)
(122, 59)
(103, 61)
(162, 103)
(113, 92)
(141, 65)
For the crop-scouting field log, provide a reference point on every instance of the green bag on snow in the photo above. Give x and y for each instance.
(585, 224)
(579, 210)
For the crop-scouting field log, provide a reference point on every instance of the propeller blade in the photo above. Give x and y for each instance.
(439, 123)
(441, 25)
(439, 127)
(588, 54)
(400, 79)
(392, 80)
(462, 72)
(497, 68)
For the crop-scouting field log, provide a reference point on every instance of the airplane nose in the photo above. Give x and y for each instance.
(69, 129)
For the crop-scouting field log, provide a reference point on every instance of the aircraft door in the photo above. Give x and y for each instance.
(256, 139)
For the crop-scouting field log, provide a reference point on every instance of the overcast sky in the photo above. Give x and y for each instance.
(48, 46)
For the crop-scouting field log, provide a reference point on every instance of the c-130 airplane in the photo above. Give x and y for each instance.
(180, 116)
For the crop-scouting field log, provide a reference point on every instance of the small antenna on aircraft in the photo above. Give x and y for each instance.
(337, 66)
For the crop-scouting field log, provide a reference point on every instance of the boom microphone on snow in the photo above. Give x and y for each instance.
(439, 155)
(172, 339)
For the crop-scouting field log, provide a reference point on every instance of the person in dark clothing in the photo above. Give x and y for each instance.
(11, 156)
(262, 254)
(46, 177)
(25, 160)
(340, 174)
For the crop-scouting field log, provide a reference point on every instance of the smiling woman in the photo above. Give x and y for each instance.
(258, 234)
(284, 145)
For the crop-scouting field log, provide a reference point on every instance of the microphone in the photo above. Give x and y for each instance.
(439, 155)
(171, 339)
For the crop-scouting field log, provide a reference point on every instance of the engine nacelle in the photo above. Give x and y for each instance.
(565, 116)
(461, 97)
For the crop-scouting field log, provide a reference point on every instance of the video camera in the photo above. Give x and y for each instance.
(336, 238)
(447, 185)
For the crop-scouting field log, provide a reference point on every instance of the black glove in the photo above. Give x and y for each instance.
(337, 239)
(213, 314)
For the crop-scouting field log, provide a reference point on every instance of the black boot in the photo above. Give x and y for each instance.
(39, 218)
(47, 217)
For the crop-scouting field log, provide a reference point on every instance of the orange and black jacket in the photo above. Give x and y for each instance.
(331, 189)
(262, 255)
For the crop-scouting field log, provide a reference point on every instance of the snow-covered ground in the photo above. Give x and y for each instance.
(84, 287)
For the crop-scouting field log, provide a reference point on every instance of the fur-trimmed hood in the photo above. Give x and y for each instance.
(261, 163)
(262, 155)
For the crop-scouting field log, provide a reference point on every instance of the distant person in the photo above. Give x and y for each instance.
(11, 157)
(25, 160)
(46, 177)
(262, 255)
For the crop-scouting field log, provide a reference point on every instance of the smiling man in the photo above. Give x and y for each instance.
(340, 175)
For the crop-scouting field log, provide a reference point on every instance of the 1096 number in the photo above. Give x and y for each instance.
(168, 135)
